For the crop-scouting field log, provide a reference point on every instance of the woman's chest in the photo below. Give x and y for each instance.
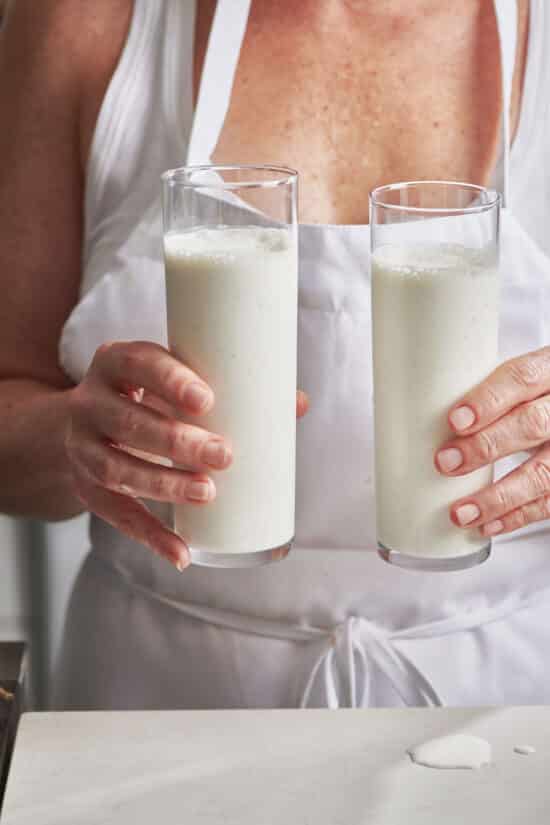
(352, 101)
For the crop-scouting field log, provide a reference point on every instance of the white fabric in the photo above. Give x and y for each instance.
(332, 625)
(506, 16)
(222, 56)
(352, 648)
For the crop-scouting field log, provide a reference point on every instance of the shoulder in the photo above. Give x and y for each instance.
(67, 32)
(55, 55)
(64, 51)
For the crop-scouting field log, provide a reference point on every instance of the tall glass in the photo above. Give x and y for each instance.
(231, 263)
(435, 336)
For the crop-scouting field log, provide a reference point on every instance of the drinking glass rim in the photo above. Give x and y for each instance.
(494, 197)
(178, 176)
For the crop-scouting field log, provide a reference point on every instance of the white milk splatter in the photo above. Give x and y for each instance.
(456, 751)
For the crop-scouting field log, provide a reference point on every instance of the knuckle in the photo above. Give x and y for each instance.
(196, 448)
(175, 439)
(75, 451)
(161, 485)
(127, 423)
(519, 518)
(485, 446)
(503, 498)
(105, 470)
(543, 357)
(104, 349)
(492, 399)
(526, 371)
(534, 420)
(131, 360)
(540, 476)
(172, 379)
(78, 404)
(106, 353)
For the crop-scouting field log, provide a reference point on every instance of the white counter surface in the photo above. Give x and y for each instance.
(274, 768)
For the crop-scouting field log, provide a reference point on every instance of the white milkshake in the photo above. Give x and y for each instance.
(435, 336)
(231, 296)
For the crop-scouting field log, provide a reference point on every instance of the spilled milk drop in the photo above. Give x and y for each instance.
(455, 751)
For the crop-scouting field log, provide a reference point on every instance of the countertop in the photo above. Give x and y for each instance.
(312, 767)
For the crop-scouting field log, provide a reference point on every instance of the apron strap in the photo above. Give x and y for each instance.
(220, 65)
(506, 12)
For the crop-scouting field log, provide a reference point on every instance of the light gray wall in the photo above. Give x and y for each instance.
(38, 565)
(65, 546)
(15, 606)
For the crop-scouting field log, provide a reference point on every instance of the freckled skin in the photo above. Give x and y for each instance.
(355, 94)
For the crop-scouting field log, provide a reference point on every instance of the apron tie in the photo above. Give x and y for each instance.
(346, 667)
(355, 652)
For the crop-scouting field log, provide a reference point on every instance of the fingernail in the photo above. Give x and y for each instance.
(180, 564)
(215, 454)
(449, 459)
(199, 491)
(175, 551)
(493, 527)
(197, 397)
(462, 418)
(467, 513)
(181, 558)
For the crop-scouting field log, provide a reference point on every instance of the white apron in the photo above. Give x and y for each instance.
(332, 625)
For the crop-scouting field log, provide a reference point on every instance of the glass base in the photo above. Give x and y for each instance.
(206, 558)
(434, 565)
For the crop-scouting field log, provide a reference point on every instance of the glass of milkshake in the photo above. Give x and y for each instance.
(435, 288)
(231, 264)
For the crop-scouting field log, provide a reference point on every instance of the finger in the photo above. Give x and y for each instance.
(524, 484)
(537, 510)
(518, 380)
(135, 425)
(148, 365)
(156, 403)
(132, 518)
(302, 403)
(124, 473)
(524, 428)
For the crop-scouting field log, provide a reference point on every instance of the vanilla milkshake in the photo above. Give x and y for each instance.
(231, 297)
(435, 326)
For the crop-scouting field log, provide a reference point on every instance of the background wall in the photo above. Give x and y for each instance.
(38, 565)
(64, 547)
(15, 606)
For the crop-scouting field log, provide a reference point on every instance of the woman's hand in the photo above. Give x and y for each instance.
(108, 423)
(507, 413)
